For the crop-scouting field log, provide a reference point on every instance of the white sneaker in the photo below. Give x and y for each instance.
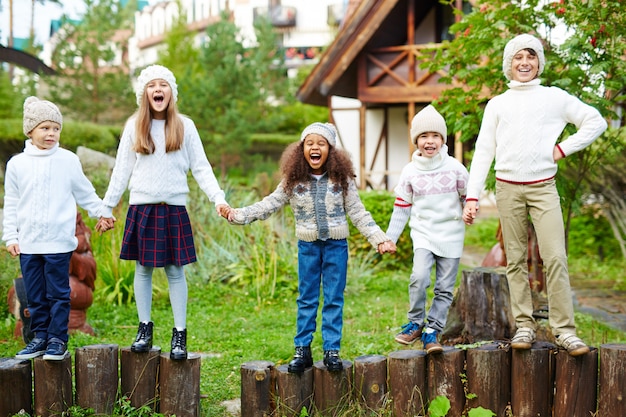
(524, 338)
(572, 344)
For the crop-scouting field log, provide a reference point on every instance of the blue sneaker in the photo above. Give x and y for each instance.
(35, 348)
(56, 351)
(429, 339)
(409, 334)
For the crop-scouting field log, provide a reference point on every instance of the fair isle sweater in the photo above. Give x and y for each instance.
(42, 188)
(433, 190)
(161, 177)
(320, 210)
(520, 128)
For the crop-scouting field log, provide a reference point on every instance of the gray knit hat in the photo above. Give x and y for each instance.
(155, 72)
(428, 120)
(515, 45)
(327, 130)
(37, 111)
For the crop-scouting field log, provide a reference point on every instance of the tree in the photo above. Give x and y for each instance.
(92, 81)
(584, 41)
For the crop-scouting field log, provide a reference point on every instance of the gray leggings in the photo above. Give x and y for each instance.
(178, 292)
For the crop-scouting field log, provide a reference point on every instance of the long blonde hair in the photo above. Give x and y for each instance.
(174, 128)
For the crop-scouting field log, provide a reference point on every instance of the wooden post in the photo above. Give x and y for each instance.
(407, 382)
(536, 365)
(16, 378)
(53, 386)
(444, 378)
(256, 388)
(332, 390)
(97, 377)
(370, 381)
(295, 391)
(179, 382)
(139, 377)
(575, 378)
(489, 377)
(612, 395)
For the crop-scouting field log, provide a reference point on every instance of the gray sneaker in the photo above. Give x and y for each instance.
(524, 338)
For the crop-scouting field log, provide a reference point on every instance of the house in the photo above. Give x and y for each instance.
(371, 80)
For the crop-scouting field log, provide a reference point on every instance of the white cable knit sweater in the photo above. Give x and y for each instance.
(42, 188)
(161, 177)
(520, 128)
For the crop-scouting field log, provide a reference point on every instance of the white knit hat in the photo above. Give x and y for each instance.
(428, 120)
(37, 111)
(327, 130)
(515, 45)
(155, 72)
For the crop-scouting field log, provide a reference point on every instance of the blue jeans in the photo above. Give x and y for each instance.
(446, 270)
(325, 262)
(47, 282)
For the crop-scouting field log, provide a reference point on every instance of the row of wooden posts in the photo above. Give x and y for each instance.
(103, 374)
(540, 382)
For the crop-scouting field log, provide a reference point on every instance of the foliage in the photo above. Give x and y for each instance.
(10, 100)
(92, 82)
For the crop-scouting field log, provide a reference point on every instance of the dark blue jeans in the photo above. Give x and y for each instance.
(322, 262)
(47, 282)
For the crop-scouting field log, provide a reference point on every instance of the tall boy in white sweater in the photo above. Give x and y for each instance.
(520, 129)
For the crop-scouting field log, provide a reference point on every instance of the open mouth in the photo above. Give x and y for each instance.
(158, 99)
(315, 157)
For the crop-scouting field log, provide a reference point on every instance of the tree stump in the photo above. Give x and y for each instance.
(139, 377)
(256, 388)
(370, 381)
(97, 377)
(612, 395)
(179, 383)
(16, 378)
(489, 377)
(53, 386)
(407, 382)
(332, 390)
(532, 380)
(480, 310)
(294, 391)
(574, 378)
(444, 378)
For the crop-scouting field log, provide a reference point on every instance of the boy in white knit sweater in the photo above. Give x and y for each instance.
(520, 129)
(430, 193)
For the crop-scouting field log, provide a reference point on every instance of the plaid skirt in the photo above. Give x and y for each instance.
(157, 235)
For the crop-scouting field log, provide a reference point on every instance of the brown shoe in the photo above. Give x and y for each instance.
(429, 339)
(409, 334)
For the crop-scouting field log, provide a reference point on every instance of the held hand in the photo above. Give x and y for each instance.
(14, 249)
(556, 154)
(223, 210)
(385, 247)
(105, 223)
(470, 211)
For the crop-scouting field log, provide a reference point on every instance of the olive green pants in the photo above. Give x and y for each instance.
(515, 202)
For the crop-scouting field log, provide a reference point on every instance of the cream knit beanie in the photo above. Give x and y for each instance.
(428, 120)
(155, 72)
(327, 130)
(37, 111)
(515, 45)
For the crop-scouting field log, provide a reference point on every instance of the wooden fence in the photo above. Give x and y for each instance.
(102, 374)
(540, 382)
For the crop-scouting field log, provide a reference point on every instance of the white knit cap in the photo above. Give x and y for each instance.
(428, 120)
(327, 130)
(37, 111)
(515, 45)
(155, 72)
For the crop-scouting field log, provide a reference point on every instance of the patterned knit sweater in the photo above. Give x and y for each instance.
(320, 210)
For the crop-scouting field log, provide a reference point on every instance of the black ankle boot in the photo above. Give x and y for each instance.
(332, 361)
(302, 359)
(143, 341)
(179, 344)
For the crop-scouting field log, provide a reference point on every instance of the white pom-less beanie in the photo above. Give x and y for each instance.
(428, 120)
(515, 45)
(327, 130)
(37, 111)
(155, 72)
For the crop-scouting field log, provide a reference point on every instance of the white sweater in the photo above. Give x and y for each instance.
(161, 177)
(42, 188)
(520, 128)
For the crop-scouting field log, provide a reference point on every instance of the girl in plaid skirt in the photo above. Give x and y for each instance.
(159, 146)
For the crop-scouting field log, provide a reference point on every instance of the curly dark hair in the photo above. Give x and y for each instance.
(295, 169)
